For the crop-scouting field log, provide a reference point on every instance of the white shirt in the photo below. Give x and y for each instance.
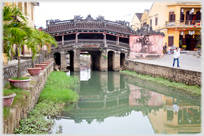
(175, 107)
(176, 53)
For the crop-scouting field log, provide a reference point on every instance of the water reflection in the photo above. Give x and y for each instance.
(108, 98)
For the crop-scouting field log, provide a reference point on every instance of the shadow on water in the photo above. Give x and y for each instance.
(109, 98)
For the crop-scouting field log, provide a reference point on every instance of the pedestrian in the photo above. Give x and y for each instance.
(165, 48)
(169, 50)
(176, 56)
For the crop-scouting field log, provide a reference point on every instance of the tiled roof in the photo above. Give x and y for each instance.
(139, 15)
(90, 25)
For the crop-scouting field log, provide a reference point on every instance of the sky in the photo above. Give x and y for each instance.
(67, 10)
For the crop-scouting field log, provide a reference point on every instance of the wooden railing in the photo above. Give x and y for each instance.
(98, 41)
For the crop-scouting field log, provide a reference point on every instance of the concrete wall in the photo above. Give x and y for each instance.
(178, 75)
(19, 112)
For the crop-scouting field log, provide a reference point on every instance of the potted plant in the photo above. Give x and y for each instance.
(8, 97)
(32, 44)
(183, 47)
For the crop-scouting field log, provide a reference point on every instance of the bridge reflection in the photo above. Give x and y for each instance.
(109, 94)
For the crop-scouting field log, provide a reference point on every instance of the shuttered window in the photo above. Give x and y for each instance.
(150, 23)
(181, 17)
(156, 21)
(172, 17)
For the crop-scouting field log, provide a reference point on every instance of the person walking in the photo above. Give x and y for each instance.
(176, 56)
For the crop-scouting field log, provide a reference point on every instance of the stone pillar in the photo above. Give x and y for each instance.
(63, 66)
(104, 61)
(62, 39)
(76, 60)
(116, 61)
(117, 40)
(104, 37)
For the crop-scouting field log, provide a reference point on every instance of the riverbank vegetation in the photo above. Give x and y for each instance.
(193, 89)
(58, 92)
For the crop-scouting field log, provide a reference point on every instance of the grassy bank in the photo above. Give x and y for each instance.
(57, 92)
(194, 90)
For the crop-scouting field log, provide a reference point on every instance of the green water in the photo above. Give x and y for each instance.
(111, 103)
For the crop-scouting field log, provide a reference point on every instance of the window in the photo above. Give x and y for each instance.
(171, 17)
(198, 15)
(150, 23)
(20, 5)
(156, 21)
(181, 17)
(25, 7)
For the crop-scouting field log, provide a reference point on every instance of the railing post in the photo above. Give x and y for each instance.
(76, 37)
(104, 37)
(117, 40)
(62, 39)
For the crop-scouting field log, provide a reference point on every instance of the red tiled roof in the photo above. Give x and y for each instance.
(90, 25)
(139, 15)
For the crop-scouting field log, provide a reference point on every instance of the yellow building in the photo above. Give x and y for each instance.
(135, 23)
(28, 9)
(180, 22)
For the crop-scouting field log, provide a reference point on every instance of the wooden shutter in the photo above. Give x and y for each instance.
(170, 40)
(181, 17)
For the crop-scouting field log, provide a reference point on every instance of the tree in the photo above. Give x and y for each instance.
(18, 37)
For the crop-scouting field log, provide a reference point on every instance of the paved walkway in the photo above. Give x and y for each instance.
(186, 61)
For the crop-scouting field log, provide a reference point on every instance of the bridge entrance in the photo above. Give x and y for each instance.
(57, 58)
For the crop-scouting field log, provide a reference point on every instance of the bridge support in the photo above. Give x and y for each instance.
(76, 60)
(63, 61)
(104, 61)
(116, 61)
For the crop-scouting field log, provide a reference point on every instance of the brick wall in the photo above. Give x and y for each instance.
(179, 75)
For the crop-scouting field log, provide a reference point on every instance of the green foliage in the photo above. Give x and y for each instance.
(47, 108)
(34, 125)
(193, 89)
(7, 92)
(51, 103)
(6, 113)
(22, 78)
(58, 88)
(104, 56)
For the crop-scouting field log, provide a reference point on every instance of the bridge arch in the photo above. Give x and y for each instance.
(122, 60)
(57, 58)
(111, 55)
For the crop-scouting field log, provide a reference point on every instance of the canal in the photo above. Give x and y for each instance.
(112, 103)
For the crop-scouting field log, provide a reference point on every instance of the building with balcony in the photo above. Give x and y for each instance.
(180, 22)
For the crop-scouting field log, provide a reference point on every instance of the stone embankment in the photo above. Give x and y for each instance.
(35, 87)
(188, 77)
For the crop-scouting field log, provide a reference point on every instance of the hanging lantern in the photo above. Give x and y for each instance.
(195, 26)
(187, 29)
(184, 29)
(181, 30)
(178, 30)
(170, 28)
(175, 29)
(190, 27)
(198, 24)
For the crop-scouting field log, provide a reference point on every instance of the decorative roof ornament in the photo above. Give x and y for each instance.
(89, 18)
(100, 18)
(124, 23)
(77, 18)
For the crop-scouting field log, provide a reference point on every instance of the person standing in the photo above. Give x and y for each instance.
(165, 48)
(176, 56)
